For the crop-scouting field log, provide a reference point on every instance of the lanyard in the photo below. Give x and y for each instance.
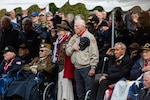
(7, 65)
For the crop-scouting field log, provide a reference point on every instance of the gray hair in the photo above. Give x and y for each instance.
(123, 46)
(71, 16)
(80, 21)
(49, 13)
(147, 73)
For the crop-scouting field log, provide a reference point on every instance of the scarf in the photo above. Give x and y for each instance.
(7, 64)
(56, 51)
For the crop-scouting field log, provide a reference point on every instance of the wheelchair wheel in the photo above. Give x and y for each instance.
(49, 92)
(87, 96)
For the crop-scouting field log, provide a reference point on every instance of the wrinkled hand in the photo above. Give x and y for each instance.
(34, 71)
(76, 47)
(110, 51)
(101, 78)
(133, 53)
(92, 72)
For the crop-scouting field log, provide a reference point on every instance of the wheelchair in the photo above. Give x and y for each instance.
(48, 92)
(47, 89)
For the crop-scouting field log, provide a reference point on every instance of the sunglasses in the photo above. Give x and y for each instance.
(42, 50)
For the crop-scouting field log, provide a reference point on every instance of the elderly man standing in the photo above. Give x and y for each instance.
(118, 66)
(83, 50)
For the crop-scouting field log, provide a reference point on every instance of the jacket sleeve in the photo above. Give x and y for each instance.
(26, 67)
(69, 47)
(136, 71)
(47, 66)
(50, 68)
(1, 67)
(93, 51)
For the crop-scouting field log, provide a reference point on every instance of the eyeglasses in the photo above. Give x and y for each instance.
(42, 50)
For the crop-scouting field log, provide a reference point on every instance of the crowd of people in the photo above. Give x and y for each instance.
(70, 51)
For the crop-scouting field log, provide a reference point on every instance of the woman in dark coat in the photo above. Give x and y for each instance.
(26, 86)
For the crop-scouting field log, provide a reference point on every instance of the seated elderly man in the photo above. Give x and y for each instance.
(8, 68)
(118, 66)
(25, 87)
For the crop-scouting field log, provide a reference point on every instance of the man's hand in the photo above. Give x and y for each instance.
(110, 51)
(101, 78)
(92, 72)
(33, 66)
(76, 47)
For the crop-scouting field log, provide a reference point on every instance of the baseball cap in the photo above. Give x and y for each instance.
(34, 14)
(146, 46)
(9, 49)
(41, 13)
(23, 46)
(45, 45)
(84, 42)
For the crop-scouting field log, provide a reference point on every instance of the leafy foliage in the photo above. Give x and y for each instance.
(75, 9)
(53, 8)
(99, 8)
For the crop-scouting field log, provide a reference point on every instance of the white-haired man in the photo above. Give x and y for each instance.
(83, 50)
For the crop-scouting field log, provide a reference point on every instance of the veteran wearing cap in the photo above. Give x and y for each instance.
(10, 64)
(43, 62)
(10, 61)
(23, 53)
(26, 86)
(83, 50)
(143, 64)
(146, 56)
